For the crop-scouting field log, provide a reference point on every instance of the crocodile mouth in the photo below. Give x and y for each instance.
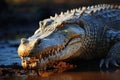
(49, 55)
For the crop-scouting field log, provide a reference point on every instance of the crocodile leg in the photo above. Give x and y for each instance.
(113, 57)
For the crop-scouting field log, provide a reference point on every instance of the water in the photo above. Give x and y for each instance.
(8, 52)
(73, 76)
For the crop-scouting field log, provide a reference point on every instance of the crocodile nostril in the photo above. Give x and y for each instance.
(23, 40)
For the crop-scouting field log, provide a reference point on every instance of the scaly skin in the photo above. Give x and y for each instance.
(86, 33)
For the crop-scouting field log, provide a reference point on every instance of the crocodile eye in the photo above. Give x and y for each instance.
(38, 41)
(82, 24)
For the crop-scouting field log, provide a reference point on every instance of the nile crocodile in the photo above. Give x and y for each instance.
(85, 33)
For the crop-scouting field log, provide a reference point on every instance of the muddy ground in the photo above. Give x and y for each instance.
(84, 71)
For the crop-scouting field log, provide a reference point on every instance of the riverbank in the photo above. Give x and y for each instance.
(11, 70)
(86, 71)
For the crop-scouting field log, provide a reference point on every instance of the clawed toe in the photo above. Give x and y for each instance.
(107, 62)
(114, 62)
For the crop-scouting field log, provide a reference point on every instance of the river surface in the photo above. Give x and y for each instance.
(73, 76)
(8, 52)
(82, 76)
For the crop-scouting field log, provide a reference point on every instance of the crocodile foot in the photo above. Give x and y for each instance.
(107, 62)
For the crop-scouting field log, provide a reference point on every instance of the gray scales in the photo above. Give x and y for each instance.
(84, 33)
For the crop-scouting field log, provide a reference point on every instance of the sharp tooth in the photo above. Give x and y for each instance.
(42, 60)
(58, 49)
(49, 51)
(53, 51)
(56, 52)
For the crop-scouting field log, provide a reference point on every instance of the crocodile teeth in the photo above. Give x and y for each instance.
(42, 60)
(49, 52)
(58, 49)
(55, 52)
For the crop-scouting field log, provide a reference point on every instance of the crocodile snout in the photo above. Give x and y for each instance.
(27, 47)
(22, 49)
(23, 41)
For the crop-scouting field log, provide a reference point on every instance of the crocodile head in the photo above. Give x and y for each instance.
(53, 41)
(58, 38)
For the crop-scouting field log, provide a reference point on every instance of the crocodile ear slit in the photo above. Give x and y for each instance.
(82, 24)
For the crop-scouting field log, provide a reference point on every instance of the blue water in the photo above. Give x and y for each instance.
(8, 52)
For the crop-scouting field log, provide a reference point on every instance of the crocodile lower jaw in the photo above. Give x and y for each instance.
(56, 53)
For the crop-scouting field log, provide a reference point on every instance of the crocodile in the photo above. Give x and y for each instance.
(86, 33)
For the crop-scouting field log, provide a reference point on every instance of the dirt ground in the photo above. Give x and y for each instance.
(85, 68)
